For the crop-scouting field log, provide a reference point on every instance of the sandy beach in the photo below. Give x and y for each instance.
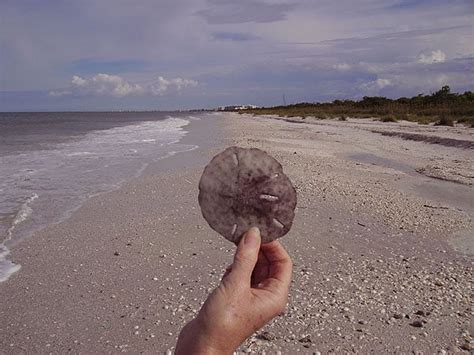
(382, 246)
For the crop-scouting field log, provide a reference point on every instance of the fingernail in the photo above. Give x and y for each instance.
(252, 238)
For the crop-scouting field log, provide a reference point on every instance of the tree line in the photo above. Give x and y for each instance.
(441, 107)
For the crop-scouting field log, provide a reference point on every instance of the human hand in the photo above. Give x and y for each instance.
(252, 292)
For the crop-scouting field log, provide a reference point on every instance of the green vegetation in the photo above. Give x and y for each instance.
(445, 120)
(442, 107)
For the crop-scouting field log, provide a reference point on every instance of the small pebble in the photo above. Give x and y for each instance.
(417, 324)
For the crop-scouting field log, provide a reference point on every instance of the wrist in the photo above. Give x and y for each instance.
(196, 339)
(210, 341)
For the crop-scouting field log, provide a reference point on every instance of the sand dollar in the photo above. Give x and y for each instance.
(242, 188)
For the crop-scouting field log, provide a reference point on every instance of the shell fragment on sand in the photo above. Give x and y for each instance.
(242, 188)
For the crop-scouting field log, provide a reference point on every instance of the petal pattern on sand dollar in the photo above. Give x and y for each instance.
(242, 188)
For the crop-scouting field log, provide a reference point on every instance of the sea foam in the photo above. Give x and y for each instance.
(66, 172)
(7, 268)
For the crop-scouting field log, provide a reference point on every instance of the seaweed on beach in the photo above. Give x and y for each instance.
(448, 142)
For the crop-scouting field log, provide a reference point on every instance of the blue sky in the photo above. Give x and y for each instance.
(148, 54)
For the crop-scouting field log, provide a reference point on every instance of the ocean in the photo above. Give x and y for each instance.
(50, 163)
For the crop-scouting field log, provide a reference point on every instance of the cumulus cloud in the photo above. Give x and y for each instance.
(381, 83)
(116, 86)
(373, 87)
(433, 57)
(163, 86)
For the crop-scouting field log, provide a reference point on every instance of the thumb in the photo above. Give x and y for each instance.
(245, 258)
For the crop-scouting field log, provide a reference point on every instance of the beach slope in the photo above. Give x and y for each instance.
(381, 243)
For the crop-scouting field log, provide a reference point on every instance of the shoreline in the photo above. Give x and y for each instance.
(67, 259)
(127, 270)
(23, 213)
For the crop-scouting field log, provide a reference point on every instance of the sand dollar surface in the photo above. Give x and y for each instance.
(242, 188)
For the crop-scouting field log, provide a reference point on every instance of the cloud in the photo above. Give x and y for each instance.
(116, 86)
(381, 83)
(242, 11)
(231, 36)
(310, 50)
(414, 81)
(342, 67)
(163, 86)
(373, 87)
(433, 57)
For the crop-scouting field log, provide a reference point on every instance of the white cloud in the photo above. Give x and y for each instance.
(433, 57)
(381, 83)
(373, 87)
(116, 86)
(163, 86)
(418, 81)
(342, 67)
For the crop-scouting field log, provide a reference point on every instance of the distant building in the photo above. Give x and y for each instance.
(236, 108)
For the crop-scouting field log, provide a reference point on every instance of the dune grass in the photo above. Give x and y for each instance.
(441, 107)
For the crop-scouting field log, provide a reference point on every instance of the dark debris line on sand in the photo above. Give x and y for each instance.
(448, 142)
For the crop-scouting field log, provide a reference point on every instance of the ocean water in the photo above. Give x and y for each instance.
(50, 163)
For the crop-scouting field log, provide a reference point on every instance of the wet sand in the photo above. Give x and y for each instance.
(376, 269)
